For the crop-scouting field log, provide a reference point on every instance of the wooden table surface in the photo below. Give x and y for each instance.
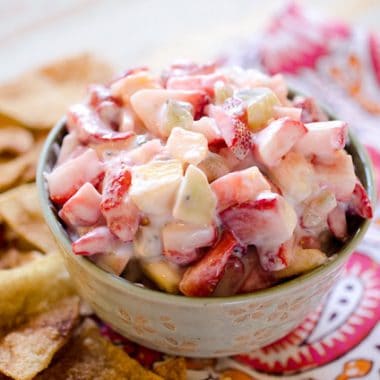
(142, 31)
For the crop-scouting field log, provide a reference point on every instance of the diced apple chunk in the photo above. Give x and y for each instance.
(291, 112)
(339, 176)
(176, 114)
(304, 260)
(276, 140)
(260, 102)
(207, 126)
(67, 178)
(267, 221)
(104, 248)
(317, 209)
(165, 275)
(337, 222)
(147, 243)
(239, 187)
(186, 146)
(295, 176)
(116, 261)
(125, 87)
(149, 104)
(181, 241)
(145, 152)
(214, 166)
(322, 140)
(155, 184)
(195, 202)
(83, 208)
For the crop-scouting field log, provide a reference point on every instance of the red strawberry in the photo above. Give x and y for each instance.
(202, 278)
(257, 277)
(184, 67)
(360, 203)
(310, 110)
(121, 214)
(68, 177)
(273, 142)
(231, 120)
(268, 221)
(195, 82)
(90, 128)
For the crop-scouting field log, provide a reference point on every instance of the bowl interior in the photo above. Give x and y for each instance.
(48, 159)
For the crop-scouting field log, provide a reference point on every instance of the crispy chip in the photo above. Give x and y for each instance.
(29, 349)
(12, 258)
(89, 356)
(40, 97)
(16, 140)
(172, 369)
(32, 288)
(20, 169)
(20, 209)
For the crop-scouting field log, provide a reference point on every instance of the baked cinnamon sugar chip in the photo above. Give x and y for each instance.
(20, 210)
(40, 97)
(172, 369)
(20, 169)
(12, 258)
(29, 349)
(14, 139)
(32, 288)
(89, 356)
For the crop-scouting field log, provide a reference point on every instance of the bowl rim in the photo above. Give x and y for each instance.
(124, 285)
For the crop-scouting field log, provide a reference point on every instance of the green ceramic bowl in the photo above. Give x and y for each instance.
(201, 327)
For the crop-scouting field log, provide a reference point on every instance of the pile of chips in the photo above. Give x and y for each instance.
(46, 331)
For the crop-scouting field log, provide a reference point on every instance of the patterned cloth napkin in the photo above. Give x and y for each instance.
(340, 66)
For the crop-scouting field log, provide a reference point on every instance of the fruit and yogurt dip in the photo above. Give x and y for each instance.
(208, 180)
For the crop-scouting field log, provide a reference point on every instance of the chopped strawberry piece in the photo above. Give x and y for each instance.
(310, 111)
(322, 140)
(120, 212)
(274, 141)
(339, 175)
(83, 208)
(98, 93)
(90, 128)
(203, 82)
(291, 112)
(67, 178)
(276, 258)
(239, 187)
(337, 223)
(257, 277)
(231, 120)
(202, 278)
(209, 129)
(267, 221)
(181, 241)
(360, 203)
(182, 68)
(69, 145)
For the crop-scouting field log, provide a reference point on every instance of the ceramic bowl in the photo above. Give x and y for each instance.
(199, 327)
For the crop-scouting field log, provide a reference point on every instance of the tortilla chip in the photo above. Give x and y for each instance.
(39, 98)
(30, 348)
(15, 140)
(172, 369)
(89, 356)
(12, 258)
(32, 288)
(20, 210)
